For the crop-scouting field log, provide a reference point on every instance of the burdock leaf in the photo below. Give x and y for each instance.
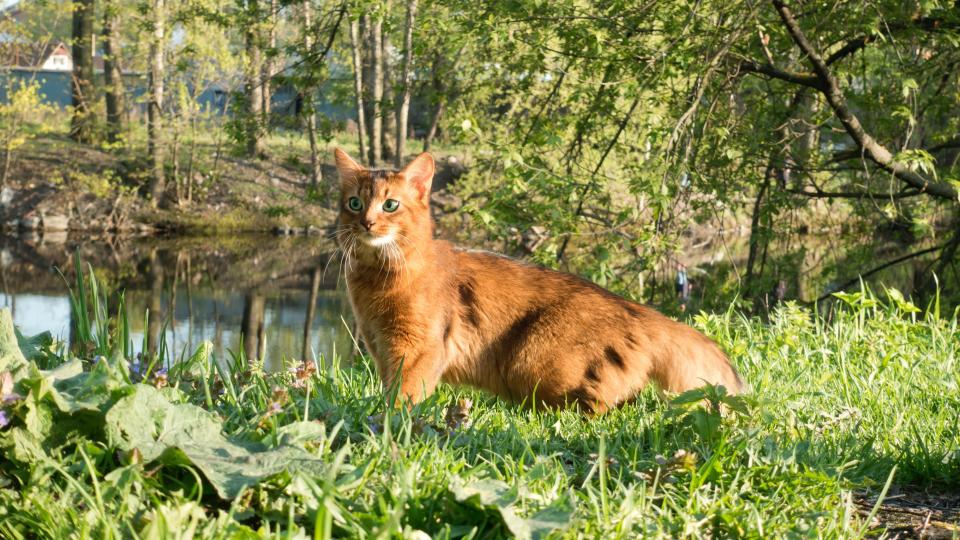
(33, 347)
(548, 520)
(177, 433)
(494, 495)
(11, 357)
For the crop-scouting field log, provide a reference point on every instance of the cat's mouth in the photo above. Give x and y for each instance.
(375, 240)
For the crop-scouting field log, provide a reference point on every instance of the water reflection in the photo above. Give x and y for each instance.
(275, 293)
(268, 296)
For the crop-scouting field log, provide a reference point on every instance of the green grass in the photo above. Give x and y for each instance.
(836, 409)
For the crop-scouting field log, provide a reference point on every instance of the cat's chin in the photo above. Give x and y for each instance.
(378, 241)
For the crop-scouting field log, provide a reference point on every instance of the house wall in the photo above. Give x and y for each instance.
(54, 85)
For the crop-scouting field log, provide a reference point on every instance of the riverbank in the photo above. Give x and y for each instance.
(56, 185)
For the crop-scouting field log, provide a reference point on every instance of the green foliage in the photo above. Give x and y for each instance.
(277, 211)
(624, 127)
(22, 118)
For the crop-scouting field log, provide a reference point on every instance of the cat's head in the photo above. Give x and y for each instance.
(381, 210)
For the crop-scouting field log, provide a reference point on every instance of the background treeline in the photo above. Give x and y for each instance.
(597, 134)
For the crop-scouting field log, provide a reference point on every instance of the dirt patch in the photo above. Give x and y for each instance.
(908, 513)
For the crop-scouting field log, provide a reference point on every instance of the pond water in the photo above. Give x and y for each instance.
(282, 294)
(285, 296)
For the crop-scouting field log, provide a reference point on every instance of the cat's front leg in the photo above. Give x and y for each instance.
(419, 373)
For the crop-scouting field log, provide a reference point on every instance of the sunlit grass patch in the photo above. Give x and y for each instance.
(103, 444)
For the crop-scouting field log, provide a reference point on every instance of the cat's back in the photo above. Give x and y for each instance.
(579, 339)
(522, 282)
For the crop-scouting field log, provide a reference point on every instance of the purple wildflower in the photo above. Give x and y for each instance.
(160, 378)
(4, 419)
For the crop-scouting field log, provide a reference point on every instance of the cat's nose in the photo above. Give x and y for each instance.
(367, 224)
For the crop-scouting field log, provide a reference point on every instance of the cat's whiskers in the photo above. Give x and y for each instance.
(411, 243)
(346, 260)
(341, 266)
(383, 260)
(398, 252)
(339, 236)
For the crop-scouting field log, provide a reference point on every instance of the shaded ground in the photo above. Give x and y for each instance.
(907, 513)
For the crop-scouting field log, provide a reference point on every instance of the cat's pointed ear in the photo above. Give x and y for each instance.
(346, 166)
(419, 172)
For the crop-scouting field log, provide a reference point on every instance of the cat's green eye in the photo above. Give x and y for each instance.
(391, 205)
(355, 204)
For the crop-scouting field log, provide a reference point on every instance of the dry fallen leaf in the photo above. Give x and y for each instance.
(458, 415)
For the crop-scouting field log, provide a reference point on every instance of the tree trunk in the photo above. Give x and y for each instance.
(403, 108)
(7, 158)
(155, 107)
(254, 83)
(112, 76)
(309, 115)
(269, 66)
(358, 87)
(434, 124)
(155, 306)
(387, 142)
(757, 233)
(82, 89)
(376, 90)
(254, 306)
(311, 310)
(175, 163)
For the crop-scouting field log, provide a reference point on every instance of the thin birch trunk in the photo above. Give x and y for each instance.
(310, 116)
(376, 86)
(403, 108)
(113, 78)
(155, 108)
(358, 87)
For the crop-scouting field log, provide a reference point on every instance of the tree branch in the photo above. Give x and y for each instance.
(873, 150)
(927, 24)
(803, 79)
(946, 145)
(851, 47)
(820, 194)
(883, 266)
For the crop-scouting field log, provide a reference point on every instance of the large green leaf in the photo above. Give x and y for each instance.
(11, 358)
(178, 433)
(494, 495)
(34, 347)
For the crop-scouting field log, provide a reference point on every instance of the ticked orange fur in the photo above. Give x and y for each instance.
(434, 312)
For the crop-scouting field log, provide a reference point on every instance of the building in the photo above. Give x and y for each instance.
(58, 60)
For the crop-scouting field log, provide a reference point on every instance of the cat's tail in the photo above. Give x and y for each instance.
(694, 361)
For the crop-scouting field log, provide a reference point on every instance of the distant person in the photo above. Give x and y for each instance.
(780, 291)
(682, 286)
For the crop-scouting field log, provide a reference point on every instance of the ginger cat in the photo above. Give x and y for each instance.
(434, 312)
